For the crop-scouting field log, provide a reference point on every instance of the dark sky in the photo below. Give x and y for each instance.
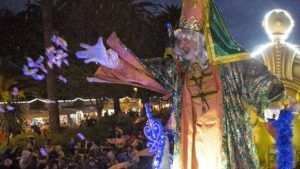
(243, 17)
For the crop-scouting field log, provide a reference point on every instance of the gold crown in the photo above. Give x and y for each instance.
(191, 24)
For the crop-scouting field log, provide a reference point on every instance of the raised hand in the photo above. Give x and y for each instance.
(99, 54)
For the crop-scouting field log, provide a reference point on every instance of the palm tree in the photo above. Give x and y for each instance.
(170, 13)
(11, 122)
(135, 25)
(6, 87)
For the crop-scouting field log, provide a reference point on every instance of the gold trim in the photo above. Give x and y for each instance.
(191, 23)
(210, 44)
(285, 102)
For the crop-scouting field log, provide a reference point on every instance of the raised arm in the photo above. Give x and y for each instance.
(118, 65)
(261, 89)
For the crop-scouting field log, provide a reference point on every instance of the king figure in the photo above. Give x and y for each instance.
(211, 80)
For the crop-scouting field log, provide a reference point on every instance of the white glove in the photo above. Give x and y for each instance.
(98, 54)
(272, 113)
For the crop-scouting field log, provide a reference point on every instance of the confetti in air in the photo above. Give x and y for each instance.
(15, 92)
(10, 108)
(56, 56)
(63, 79)
(80, 136)
(2, 110)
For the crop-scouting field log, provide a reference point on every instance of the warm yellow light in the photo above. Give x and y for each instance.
(135, 89)
(262, 48)
(278, 24)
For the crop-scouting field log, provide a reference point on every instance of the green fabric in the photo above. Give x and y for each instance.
(224, 44)
(245, 81)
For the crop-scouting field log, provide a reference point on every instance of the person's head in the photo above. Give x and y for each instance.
(135, 143)
(26, 155)
(7, 162)
(190, 45)
(91, 162)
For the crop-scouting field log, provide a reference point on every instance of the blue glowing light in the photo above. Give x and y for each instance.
(80, 136)
(10, 108)
(2, 110)
(156, 137)
(15, 92)
(62, 78)
(56, 55)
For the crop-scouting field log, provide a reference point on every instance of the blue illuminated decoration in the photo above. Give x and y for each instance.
(80, 136)
(62, 78)
(6, 107)
(169, 28)
(284, 134)
(15, 92)
(2, 110)
(56, 55)
(156, 137)
(35, 69)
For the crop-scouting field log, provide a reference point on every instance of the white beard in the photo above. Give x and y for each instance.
(195, 55)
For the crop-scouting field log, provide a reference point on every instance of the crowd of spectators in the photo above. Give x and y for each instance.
(127, 152)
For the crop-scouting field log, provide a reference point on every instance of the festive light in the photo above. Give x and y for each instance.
(153, 130)
(43, 152)
(56, 56)
(2, 110)
(48, 101)
(262, 48)
(80, 136)
(60, 42)
(267, 26)
(10, 108)
(62, 78)
(170, 29)
(15, 92)
(279, 37)
(34, 67)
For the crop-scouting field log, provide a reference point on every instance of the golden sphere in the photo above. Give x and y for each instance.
(278, 23)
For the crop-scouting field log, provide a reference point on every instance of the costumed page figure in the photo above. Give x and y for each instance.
(210, 78)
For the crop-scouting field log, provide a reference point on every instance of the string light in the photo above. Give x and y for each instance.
(48, 101)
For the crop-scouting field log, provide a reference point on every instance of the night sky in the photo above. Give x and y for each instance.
(243, 17)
